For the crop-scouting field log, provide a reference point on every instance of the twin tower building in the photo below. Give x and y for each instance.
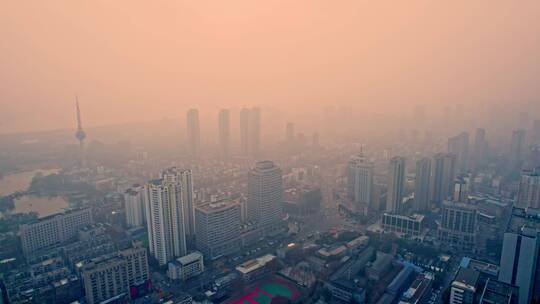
(176, 223)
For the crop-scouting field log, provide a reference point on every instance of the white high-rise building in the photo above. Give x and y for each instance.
(265, 195)
(360, 179)
(186, 179)
(165, 217)
(396, 184)
(134, 206)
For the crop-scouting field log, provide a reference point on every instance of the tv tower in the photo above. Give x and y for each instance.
(80, 135)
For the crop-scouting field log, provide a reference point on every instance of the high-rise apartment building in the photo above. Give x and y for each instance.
(459, 146)
(520, 256)
(458, 226)
(360, 179)
(134, 206)
(529, 189)
(224, 126)
(517, 150)
(218, 227)
(465, 286)
(442, 177)
(166, 217)
(421, 184)
(110, 277)
(250, 131)
(53, 230)
(193, 133)
(265, 195)
(186, 181)
(396, 184)
(479, 157)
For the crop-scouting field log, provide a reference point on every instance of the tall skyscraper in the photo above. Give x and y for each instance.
(517, 150)
(459, 146)
(244, 132)
(421, 184)
(218, 228)
(265, 195)
(193, 133)
(134, 206)
(255, 131)
(224, 133)
(360, 179)
(479, 157)
(166, 217)
(520, 256)
(529, 189)
(396, 184)
(442, 177)
(80, 135)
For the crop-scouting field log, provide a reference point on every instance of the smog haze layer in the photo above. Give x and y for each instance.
(131, 61)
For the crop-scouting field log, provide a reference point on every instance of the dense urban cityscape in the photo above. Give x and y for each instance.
(269, 152)
(427, 220)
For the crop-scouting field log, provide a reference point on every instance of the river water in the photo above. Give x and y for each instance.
(30, 203)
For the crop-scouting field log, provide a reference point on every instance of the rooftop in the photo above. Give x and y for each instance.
(521, 218)
(216, 206)
(466, 278)
(480, 266)
(496, 292)
(255, 264)
(190, 258)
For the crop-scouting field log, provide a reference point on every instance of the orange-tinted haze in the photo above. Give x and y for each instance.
(131, 60)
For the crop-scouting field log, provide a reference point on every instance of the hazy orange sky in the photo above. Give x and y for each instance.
(131, 60)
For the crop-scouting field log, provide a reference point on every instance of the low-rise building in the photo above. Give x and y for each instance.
(258, 268)
(419, 290)
(401, 224)
(186, 267)
(346, 291)
(464, 286)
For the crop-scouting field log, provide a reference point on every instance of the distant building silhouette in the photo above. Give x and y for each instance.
(193, 133)
(459, 146)
(224, 126)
